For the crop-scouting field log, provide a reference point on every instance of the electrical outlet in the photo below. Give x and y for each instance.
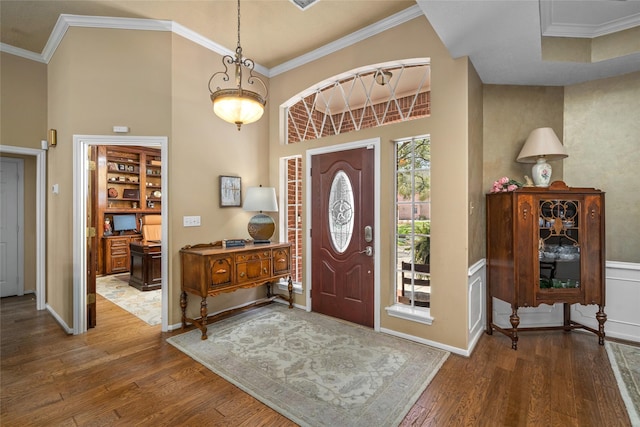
(191, 221)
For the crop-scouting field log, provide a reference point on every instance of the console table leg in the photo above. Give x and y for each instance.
(290, 289)
(203, 318)
(269, 290)
(183, 306)
(515, 321)
(601, 317)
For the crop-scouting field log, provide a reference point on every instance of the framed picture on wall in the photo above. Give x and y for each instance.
(230, 191)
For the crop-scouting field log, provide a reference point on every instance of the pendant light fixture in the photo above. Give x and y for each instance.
(236, 104)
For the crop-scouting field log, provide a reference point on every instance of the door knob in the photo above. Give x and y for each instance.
(367, 251)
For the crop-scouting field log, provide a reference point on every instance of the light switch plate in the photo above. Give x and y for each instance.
(191, 221)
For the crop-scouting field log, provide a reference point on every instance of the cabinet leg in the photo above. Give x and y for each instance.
(269, 290)
(203, 318)
(290, 289)
(183, 306)
(515, 321)
(567, 317)
(601, 317)
(489, 329)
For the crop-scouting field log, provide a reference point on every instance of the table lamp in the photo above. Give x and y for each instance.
(261, 226)
(541, 146)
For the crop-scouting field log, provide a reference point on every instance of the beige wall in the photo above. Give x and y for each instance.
(602, 136)
(475, 207)
(23, 115)
(202, 147)
(97, 78)
(449, 134)
(23, 101)
(510, 114)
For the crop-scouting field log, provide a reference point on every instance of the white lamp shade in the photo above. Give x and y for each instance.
(542, 142)
(260, 199)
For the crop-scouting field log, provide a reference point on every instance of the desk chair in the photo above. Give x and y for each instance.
(151, 228)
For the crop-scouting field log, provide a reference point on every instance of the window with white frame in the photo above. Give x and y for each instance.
(413, 221)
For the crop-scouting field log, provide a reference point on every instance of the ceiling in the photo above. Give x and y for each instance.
(502, 38)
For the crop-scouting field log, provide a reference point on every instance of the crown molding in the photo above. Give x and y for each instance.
(199, 39)
(549, 28)
(27, 54)
(362, 34)
(65, 21)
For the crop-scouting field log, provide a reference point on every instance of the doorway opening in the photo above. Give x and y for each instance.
(40, 223)
(81, 148)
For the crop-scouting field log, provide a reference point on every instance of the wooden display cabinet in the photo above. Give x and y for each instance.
(546, 246)
(128, 180)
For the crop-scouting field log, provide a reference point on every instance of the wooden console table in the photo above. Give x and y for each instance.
(210, 270)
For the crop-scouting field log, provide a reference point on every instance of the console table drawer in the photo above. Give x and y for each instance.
(221, 272)
(253, 270)
(252, 256)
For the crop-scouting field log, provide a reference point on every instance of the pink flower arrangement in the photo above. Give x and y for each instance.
(505, 184)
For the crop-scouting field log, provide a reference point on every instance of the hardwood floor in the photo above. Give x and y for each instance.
(124, 373)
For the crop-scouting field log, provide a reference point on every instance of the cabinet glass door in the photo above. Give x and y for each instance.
(559, 244)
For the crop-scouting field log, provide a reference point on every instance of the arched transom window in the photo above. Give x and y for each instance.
(364, 98)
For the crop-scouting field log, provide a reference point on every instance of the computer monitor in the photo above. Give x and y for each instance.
(124, 222)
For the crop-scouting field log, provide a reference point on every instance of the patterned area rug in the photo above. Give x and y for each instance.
(145, 305)
(625, 361)
(316, 370)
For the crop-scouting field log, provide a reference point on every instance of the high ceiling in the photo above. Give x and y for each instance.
(502, 38)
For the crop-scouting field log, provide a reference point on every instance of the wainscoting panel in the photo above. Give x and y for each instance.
(476, 287)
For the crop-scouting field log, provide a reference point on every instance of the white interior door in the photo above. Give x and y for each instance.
(11, 276)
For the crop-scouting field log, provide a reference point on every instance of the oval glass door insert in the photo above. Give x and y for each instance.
(341, 211)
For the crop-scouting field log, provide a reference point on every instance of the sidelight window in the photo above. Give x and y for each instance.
(413, 222)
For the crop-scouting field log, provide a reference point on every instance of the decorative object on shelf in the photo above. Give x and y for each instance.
(541, 146)
(107, 227)
(157, 194)
(112, 193)
(233, 243)
(230, 191)
(505, 184)
(131, 193)
(238, 105)
(261, 226)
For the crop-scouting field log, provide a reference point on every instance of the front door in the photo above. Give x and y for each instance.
(342, 235)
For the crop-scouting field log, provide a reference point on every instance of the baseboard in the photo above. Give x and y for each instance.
(61, 322)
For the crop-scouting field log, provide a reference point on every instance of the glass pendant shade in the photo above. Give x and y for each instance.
(237, 107)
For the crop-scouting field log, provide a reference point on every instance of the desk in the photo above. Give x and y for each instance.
(116, 252)
(146, 265)
(210, 270)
